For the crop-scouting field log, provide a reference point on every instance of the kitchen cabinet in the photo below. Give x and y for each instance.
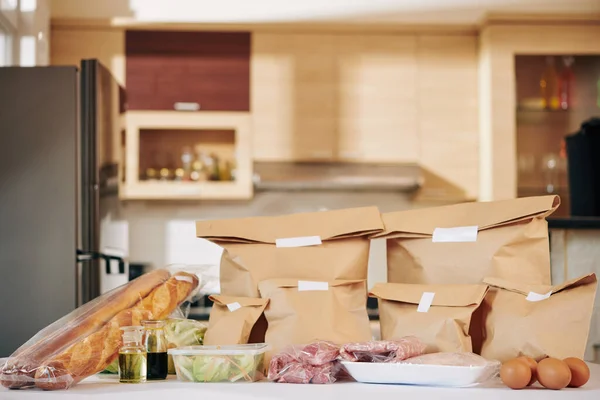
(293, 103)
(501, 119)
(207, 71)
(376, 92)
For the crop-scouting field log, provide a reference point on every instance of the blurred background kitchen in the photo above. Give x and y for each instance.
(208, 110)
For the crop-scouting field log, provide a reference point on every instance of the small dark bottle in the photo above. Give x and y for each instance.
(155, 343)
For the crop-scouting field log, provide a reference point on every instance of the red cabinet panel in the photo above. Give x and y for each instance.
(208, 68)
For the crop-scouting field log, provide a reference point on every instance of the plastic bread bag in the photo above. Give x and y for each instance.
(383, 351)
(208, 275)
(314, 363)
(88, 339)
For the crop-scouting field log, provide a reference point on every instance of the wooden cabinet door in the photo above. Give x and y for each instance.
(211, 69)
(377, 98)
(293, 107)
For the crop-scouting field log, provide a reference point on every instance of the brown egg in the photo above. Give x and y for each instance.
(515, 374)
(554, 374)
(533, 365)
(580, 372)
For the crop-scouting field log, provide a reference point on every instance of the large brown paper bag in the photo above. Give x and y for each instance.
(465, 243)
(300, 312)
(326, 245)
(537, 320)
(439, 315)
(233, 319)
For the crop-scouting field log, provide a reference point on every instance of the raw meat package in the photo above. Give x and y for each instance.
(382, 351)
(232, 319)
(439, 315)
(537, 320)
(464, 243)
(325, 246)
(87, 340)
(314, 363)
(302, 311)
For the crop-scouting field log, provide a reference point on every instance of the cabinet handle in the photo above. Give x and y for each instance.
(183, 106)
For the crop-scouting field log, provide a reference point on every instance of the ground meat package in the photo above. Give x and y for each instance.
(314, 363)
(465, 243)
(302, 311)
(326, 246)
(537, 320)
(383, 351)
(232, 320)
(439, 315)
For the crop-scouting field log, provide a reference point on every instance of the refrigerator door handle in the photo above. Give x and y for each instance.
(92, 255)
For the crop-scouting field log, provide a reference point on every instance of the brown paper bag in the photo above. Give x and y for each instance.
(232, 319)
(511, 242)
(262, 248)
(555, 323)
(300, 312)
(439, 315)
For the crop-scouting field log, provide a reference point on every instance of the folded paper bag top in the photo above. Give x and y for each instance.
(538, 320)
(465, 243)
(439, 315)
(321, 246)
(301, 311)
(233, 320)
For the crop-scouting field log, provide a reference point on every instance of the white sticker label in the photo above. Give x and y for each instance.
(532, 296)
(455, 235)
(426, 300)
(234, 306)
(310, 285)
(184, 278)
(298, 241)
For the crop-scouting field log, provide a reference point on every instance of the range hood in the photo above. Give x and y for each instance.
(286, 176)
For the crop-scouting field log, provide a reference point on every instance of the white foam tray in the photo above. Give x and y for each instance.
(424, 375)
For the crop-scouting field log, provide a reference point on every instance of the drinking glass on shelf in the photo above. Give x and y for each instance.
(550, 166)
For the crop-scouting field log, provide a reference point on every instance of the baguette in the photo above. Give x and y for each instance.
(98, 350)
(20, 369)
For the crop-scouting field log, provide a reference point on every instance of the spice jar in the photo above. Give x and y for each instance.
(155, 344)
(132, 356)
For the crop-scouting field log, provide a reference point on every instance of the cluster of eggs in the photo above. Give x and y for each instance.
(551, 373)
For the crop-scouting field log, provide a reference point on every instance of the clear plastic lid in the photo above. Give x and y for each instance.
(237, 349)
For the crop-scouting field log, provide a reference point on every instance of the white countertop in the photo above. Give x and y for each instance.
(106, 386)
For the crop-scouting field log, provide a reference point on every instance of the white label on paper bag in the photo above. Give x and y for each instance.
(532, 296)
(184, 278)
(310, 285)
(298, 241)
(234, 306)
(426, 300)
(455, 235)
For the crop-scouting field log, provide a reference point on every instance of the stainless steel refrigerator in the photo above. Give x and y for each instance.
(56, 127)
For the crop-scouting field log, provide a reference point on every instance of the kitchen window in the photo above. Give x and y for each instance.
(6, 39)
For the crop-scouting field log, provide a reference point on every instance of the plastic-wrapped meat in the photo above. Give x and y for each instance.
(451, 359)
(319, 353)
(314, 363)
(325, 373)
(383, 350)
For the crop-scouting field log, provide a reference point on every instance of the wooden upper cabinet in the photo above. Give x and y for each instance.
(211, 69)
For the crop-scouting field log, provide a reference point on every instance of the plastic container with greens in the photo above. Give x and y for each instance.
(235, 363)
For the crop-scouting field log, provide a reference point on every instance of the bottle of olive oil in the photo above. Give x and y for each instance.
(132, 356)
(155, 343)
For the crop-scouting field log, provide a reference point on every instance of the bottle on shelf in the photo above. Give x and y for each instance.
(132, 356)
(187, 158)
(566, 83)
(549, 85)
(155, 344)
(198, 173)
(215, 171)
(165, 174)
